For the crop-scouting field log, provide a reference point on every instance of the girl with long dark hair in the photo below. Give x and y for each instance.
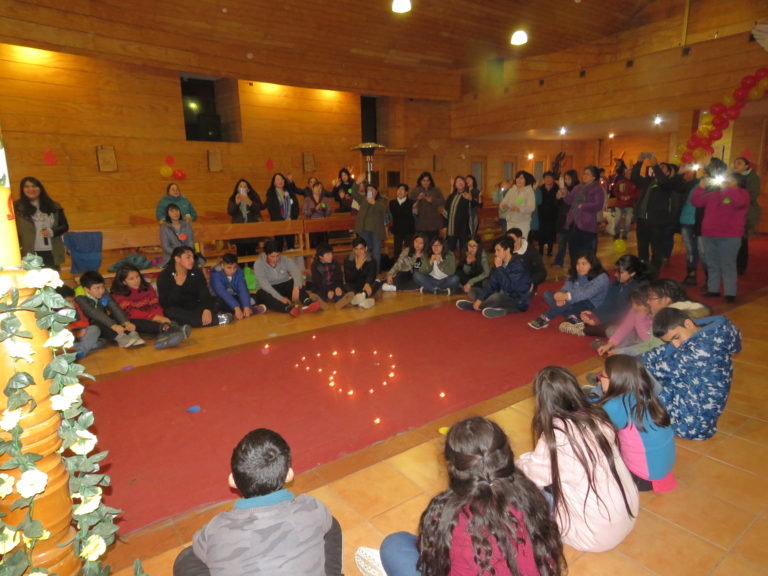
(140, 303)
(175, 231)
(646, 435)
(439, 275)
(490, 520)
(412, 259)
(244, 205)
(473, 268)
(282, 204)
(585, 289)
(567, 183)
(578, 461)
(41, 223)
(460, 207)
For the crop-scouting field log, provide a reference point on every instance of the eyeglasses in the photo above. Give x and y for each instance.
(654, 298)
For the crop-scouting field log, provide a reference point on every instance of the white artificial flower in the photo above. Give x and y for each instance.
(5, 285)
(43, 277)
(62, 339)
(31, 483)
(88, 503)
(6, 484)
(66, 397)
(18, 348)
(86, 441)
(38, 572)
(9, 539)
(93, 548)
(10, 419)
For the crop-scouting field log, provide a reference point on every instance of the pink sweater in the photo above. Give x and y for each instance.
(725, 211)
(589, 524)
(640, 323)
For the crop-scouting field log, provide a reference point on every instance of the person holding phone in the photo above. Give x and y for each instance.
(369, 223)
(244, 205)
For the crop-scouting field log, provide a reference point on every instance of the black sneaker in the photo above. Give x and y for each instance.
(539, 323)
(465, 305)
(494, 312)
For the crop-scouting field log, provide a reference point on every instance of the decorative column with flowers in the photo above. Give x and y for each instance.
(52, 519)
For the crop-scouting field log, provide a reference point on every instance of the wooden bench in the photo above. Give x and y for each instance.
(143, 237)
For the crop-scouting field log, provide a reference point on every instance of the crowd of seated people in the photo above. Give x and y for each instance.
(667, 361)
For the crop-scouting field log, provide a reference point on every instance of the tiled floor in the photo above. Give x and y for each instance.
(715, 523)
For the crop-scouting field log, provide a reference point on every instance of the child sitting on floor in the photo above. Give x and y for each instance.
(269, 531)
(86, 334)
(102, 310)
(646, 436)
(487, 497)
(695, 369)
(578, 461)
(228, 285)
(327, 278)
(585, 289)
(139, 301)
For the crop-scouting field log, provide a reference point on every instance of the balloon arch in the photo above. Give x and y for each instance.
(721, 114)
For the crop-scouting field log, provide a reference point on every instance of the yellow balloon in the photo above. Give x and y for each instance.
(707, 118)
(166, 171)
(728, 100)
(703, 131)
(755, 93)
(681, 149)
(699, 153)
(763, 84)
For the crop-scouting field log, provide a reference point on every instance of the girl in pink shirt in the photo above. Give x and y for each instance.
(577, 459)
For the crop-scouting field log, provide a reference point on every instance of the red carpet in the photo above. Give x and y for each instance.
(165, 460)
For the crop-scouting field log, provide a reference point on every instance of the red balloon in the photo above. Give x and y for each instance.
(708, 149)
(715, 134)
(169, 160)
(179, 174)
(761, 73)
(694, 141)
(717, 108)
(687, 157)
(733, 112)
(748, 82)
(739, 104)
(705, 143)
(720, 122)
(740, 94)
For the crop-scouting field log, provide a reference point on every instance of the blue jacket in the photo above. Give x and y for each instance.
(696, 377)
(233, 293)
(513, 279)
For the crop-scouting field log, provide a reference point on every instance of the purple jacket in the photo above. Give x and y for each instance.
(589, 200)
(725, 211)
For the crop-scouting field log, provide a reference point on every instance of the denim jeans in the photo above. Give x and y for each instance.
(622, 215)
(89, 341)
(374, 246)
(430, 284)
(721, 264)
(399, 554)
(570, 308)
(691, 247)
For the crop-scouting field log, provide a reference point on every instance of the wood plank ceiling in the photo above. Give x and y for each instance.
(231, 37)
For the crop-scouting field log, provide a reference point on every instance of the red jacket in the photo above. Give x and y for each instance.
(142, 304)
(625, 193)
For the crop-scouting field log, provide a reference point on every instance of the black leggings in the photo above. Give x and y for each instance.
(193, 317)
(285, 289)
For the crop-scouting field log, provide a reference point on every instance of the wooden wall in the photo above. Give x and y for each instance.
(71, 104)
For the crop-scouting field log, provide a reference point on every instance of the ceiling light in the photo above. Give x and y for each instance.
(611, 135)
(530, 156)
(563, 130)
(519, 38)
(657, 120)
(401, 6)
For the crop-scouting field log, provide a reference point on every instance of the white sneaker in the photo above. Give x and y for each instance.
(367, 303)
(358, 299)
(136, 340)
(368, 562)
(387, 287)
(124, 340)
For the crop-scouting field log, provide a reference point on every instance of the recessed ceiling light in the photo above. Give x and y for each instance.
(563, 130)
(611, 135)
(657, 119)
(519, 38)
(401, 6)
